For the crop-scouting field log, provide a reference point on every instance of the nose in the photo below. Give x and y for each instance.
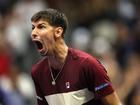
(34, 34)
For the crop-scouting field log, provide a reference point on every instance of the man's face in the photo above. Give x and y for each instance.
(43, 36)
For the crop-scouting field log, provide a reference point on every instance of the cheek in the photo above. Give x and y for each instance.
(48, 37)
(48, 40)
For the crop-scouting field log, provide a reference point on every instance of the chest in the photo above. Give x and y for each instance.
(71, 78)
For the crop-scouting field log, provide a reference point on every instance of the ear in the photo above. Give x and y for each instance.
(58, 32)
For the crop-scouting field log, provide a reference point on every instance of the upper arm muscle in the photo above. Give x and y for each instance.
(111, 99)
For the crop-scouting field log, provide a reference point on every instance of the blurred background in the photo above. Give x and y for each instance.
(107, 29)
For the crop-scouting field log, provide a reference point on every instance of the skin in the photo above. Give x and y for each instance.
(53, 44)
(55, 48)
(111, 99)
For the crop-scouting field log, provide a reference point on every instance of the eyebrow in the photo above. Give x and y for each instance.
(38, 24)
(33, 26)
(41, 24)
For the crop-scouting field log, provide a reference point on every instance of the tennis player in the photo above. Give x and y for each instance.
(66, 76)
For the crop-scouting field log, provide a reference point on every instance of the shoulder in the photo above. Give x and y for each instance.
(36, 68)
(95, 66)
(79, 54)
(89, 62)
(86, 57)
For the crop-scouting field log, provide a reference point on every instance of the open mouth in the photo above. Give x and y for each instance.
(38, 45)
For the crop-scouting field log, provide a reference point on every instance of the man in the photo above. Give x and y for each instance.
(66, 76)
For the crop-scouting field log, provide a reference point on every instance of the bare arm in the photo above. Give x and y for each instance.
(111, 99)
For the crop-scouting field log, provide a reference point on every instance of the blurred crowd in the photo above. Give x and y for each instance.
(107, 29)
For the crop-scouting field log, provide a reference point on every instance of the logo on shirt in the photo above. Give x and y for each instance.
(67, 85)
(101, 86)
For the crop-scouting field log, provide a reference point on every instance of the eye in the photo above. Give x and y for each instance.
(41, 26)
(33, 27)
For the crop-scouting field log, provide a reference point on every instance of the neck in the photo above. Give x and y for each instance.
(58, 58)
